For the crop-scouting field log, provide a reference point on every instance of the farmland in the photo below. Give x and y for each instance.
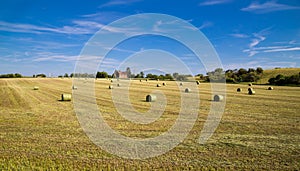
(37, 130)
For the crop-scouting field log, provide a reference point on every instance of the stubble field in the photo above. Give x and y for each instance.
(38, 131)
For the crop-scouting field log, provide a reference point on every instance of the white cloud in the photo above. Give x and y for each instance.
(205, 25)
(268, 49)
(256, 39)
(239, 35)
(59, 58)
(30, 28)
(118, 2)
(269, 6)
(283, 49)
(214, 2)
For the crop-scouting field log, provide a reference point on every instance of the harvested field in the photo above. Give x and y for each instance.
(38, 131)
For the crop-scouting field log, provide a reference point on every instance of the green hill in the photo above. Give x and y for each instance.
(274, 72)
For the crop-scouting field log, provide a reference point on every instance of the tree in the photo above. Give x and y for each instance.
(216, 75)
(259, 70)
(137, 76)
(66, 75)
(72, 75)
(168, 77)
(17, 75)
(142, 74)
(285, 80)
(41, 75)
(201, 76)
(102, 75)
(242, 71)
(128, 71)
(175, 75)
(251, 70)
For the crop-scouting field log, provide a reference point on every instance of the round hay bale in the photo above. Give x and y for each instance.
(198, 82)
(150, 98)
(66, 97)
(158, 85)
(238, 89)
(157, 80)
(250, 89)
(36, 88)
(270, 88)
(251, 92)
(118, 85)
(181, 84)
(111, 81)
(110, 87)
(187, 90)
(146, 79)
(140, 80)
(74, 87)
(218, 98)
(164, 84)
(250, 84)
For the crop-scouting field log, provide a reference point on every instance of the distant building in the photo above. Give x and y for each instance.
(120, 74)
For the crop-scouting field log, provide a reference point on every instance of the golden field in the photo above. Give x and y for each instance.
(40, 132)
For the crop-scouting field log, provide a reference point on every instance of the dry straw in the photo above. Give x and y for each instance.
(150, 98)
(66, 97)
(218, 98)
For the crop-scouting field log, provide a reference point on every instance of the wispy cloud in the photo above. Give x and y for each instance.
(283, 49)
(269, 6)
(214, 2)
(256, 39)
(30, 28)
(57, 58)
(118, 2)
(206, 24)
(270, 49)
(239, 35)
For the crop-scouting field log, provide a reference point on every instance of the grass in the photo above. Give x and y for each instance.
(39, 132)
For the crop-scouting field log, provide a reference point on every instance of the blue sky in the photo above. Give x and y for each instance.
(38, 36)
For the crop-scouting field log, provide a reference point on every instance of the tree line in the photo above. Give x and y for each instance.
(16, 75)
(285, 80)
(235, 76)
(230, 76)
